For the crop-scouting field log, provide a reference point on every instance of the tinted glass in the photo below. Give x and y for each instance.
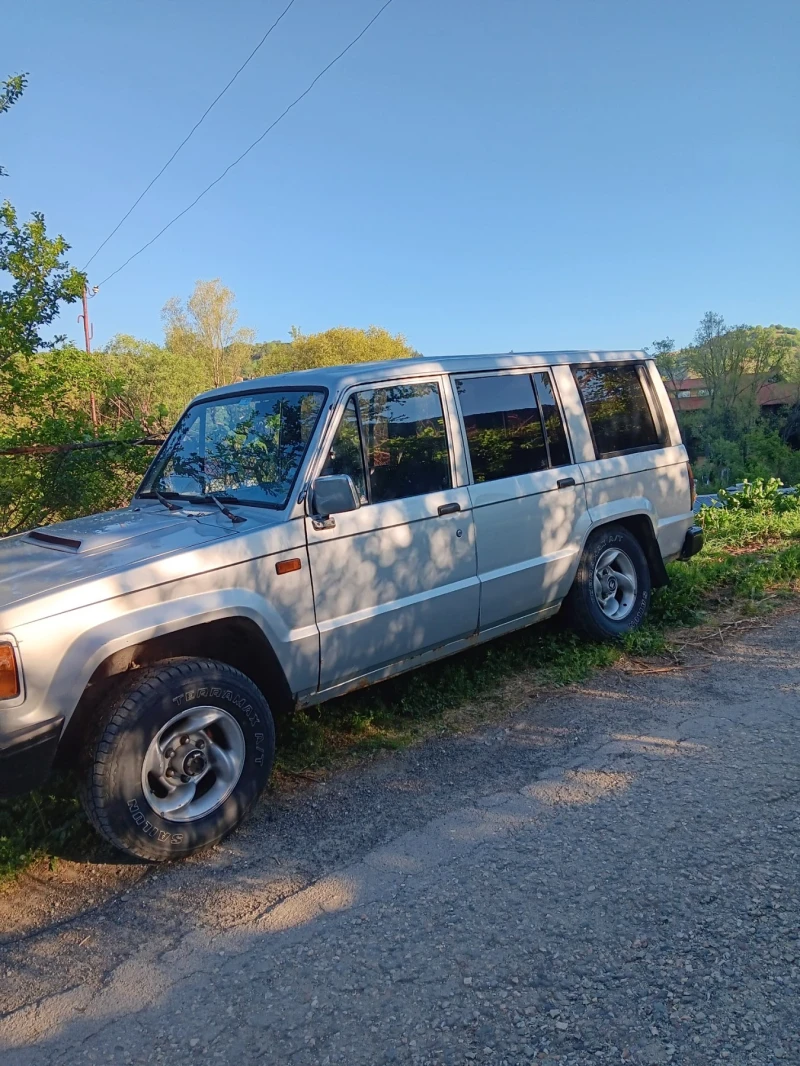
(504, 431)
(244, 449)
(617, 409)
(345, 456)
(553, 423)
(406, 443)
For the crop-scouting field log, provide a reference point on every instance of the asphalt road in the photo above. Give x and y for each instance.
(610, 876)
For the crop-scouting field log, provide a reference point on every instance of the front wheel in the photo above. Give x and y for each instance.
(611, 592)
(178, 759)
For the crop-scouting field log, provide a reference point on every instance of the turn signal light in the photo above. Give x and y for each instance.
(692, 488)
(286, 566)
(9, 675)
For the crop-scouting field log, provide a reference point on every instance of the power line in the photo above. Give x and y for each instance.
(247, 151)
(199, 122)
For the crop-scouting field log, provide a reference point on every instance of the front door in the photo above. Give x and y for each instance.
(528, 496)
(398, 576)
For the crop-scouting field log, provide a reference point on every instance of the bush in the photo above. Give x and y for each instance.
(765, 496)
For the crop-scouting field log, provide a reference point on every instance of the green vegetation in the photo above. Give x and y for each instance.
(750, 562)
(132, 390)
(732, 438)
(33, 262)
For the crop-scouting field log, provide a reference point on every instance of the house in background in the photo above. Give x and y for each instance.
(692, 394)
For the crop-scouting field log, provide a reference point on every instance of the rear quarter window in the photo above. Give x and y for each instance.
(617, 409)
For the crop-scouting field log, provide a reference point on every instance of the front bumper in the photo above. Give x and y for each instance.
(692, 542)
(26, 757)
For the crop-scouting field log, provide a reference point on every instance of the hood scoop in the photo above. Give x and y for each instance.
(64, 544)
(103, 531)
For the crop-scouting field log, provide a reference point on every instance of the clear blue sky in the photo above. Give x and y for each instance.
(482, 175)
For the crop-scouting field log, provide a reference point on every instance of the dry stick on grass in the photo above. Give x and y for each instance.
(722, 631)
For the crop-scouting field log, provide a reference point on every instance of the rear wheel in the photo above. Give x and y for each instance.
(611, 592)
(178, 759)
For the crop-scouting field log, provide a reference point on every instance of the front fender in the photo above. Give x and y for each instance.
(108, 629)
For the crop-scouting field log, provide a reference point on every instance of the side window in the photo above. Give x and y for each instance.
(617, 408)
(405, 441)
(345, 456)
(504, 430)
(553, 423)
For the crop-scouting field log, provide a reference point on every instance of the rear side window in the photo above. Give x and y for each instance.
(503, 426)
(405, 442)
(513, 425)
(616, 406)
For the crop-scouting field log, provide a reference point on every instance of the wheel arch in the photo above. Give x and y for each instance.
(235, 640)
(641, 524)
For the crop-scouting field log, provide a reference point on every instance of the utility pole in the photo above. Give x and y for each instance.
(88, 334)
(88, 331)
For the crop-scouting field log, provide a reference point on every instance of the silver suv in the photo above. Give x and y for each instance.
(304, 535)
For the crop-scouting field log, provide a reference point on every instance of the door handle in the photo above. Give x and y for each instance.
(449, 508)
(566, 482)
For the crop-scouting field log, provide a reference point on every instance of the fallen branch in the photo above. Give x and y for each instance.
(664, 669)
(722, 631)
(52, 449)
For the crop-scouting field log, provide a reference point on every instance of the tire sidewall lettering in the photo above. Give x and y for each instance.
(635, 619)
(149, 830)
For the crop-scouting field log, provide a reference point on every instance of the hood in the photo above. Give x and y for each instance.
(47, 559)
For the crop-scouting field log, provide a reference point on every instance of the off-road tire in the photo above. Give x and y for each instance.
(582, 608)
(113, 796)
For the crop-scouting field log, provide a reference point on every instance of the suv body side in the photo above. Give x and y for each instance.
(433, 572)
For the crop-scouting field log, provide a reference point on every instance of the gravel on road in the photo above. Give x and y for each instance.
(608, 876)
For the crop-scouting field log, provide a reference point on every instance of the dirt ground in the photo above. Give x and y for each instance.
(609, 875)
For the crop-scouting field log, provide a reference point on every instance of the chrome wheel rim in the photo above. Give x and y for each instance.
(193, 764)
(615, 584)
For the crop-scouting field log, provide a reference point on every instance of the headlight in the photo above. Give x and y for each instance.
(9, 672)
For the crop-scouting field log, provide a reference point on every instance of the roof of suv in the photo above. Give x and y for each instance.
(335, 378)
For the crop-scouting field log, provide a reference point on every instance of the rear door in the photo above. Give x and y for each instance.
(527, 492)
(639, 463)
(398, 576)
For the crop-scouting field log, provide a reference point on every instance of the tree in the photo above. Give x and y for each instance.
(673, 366)
(734, 364)
(340, 345)
(205, 329)
(149, 383)
(45, 399)
(35, 263)
(10, 91)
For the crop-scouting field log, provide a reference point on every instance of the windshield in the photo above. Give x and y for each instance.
(243, 449)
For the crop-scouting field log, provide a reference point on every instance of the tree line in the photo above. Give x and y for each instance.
(69, 420)
(732, 437)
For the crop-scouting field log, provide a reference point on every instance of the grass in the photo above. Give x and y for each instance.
(749, 558)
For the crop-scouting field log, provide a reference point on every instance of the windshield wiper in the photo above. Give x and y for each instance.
(163, 499)
(225, 510)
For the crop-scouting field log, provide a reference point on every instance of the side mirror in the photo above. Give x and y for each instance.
(334, 494)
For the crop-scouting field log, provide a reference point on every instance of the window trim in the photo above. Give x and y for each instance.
(657, 424)
(340, 405)
(564, 423)
(529, 372)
